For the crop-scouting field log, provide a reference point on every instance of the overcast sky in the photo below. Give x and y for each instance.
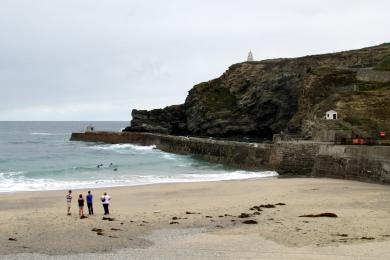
(97, 60)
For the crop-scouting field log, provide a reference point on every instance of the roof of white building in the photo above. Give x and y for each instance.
(331, 111)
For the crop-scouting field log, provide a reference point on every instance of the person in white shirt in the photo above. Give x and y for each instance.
(106, 202)
(69, 201)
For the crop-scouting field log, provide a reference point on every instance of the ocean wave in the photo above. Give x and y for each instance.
(239, 174)
(122, 147)
(169, 156)
(11, 174)
(44, 133)
(25, 142)
(21, 183)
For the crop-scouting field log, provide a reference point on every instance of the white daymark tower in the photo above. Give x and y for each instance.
(250, 56)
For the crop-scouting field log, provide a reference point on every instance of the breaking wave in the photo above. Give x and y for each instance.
(21, 183)
(118, 147)
(43, 133)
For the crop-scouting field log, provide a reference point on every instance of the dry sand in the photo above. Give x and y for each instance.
(143, 215)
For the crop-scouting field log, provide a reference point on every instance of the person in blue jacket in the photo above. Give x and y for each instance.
(89, 203)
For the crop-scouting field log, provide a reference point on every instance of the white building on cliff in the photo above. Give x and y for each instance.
(331, 115)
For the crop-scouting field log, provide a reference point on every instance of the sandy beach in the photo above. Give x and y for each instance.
(204, 221)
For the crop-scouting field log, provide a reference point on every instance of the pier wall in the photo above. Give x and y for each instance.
(297, 158)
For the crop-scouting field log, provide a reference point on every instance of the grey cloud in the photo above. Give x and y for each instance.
(96, 59)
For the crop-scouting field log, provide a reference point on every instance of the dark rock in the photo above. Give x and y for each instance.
(280, 204)
(12, 239)
(367, 238)
(97, 230)
(174, 222)
(108, 218)
(189, 212)
(342, 235)
(170, 120)
(258, 208)
(328, 215)
(209, 217)
(249, 221)
(244, 215)
(115, 229)
(268, 206)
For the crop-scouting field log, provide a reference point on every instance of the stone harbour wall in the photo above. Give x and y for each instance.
(295, 158)
(364, 163)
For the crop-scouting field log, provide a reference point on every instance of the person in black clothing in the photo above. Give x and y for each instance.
(81, 206)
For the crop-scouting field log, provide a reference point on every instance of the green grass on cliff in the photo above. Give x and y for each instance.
(384, 64)
(217, 98)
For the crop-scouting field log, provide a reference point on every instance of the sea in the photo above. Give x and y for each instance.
(36, 156)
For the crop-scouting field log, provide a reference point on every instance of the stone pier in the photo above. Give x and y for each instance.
(293, 158)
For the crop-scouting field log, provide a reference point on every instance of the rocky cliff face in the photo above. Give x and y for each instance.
(168, 120)
(258, 99)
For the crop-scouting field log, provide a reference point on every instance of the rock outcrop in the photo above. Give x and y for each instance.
(261, 98)
(168, 120)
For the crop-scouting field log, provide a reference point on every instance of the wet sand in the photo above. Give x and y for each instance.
(204, 221)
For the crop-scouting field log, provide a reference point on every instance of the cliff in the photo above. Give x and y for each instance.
(261, 98)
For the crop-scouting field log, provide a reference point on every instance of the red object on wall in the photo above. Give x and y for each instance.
(382, 134)
(360, 141)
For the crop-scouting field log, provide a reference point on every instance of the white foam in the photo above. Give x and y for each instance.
(23, 184)
(118, 147)
(11, 173)
(169, 156)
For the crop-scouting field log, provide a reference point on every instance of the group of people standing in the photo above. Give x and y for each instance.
(105, 199)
